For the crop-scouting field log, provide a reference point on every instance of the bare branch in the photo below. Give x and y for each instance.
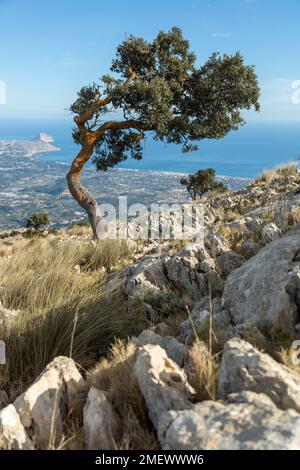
(83, 118)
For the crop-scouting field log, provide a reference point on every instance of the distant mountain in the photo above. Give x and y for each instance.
(17, 148)
(43, 137)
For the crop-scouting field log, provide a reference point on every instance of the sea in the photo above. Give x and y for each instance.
(244, 153)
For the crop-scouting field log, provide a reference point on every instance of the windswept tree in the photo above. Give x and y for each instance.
(158, 89)
(202, 182)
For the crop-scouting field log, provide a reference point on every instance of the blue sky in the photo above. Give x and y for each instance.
(50, 48)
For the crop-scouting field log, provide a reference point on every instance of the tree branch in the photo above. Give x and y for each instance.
(115, 125)
(83, 118)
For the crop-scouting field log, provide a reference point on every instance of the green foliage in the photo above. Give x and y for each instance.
(165, 302)
(160, 89)
(37, 220)
(202, 182)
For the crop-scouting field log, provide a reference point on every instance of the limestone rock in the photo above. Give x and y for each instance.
(247, 421)
(192, 271)
(270, 233)
(245, 368)
(12, 432)
(266, 290)
(145, 274)
(174, 349)
(49, 399)
(163, 384)
(215, 243)
(100, 422)
(228, 261)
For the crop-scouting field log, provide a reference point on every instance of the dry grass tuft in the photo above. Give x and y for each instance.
(63, 310)
(287, 169)
(286, 356)
(231, 215)
(233, 236)
(114, 375)
(32, 341)
(203, 371)
(43, 274)
(292, 218)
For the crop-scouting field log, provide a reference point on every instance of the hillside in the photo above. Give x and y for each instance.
(157, 344)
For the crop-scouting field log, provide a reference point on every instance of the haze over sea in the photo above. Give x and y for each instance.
(244, 153)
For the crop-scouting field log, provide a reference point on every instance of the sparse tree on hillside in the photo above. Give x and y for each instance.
(159, 90)
(202, 182)
(37, 220)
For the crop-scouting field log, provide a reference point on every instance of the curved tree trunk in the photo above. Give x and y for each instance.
(84, 198)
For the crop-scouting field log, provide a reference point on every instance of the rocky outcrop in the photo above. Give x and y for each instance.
(192, 271)
(270, 233)
(174, 349)
(245, 368)
(12, 432)
(146, 274)
(265, 291)
(246, 421)
(163, 384)
(49, 399)
(101, 424)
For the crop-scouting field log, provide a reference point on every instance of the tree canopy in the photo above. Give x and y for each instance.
(202, 182)
(37, 219)
(157, 87)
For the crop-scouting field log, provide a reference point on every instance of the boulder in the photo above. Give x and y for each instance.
(265, 291)
(192, 271)
(270, 233)
(215, 243)
(174, 349)
(12, 432)
(49, 399)
(246, 421)
(101, 424)
(228, 261)
(163, 384)
(243, 367)
(145, 274)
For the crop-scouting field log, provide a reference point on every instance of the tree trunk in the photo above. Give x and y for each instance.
(83, 197)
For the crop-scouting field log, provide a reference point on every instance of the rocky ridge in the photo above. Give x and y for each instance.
(237, 295)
